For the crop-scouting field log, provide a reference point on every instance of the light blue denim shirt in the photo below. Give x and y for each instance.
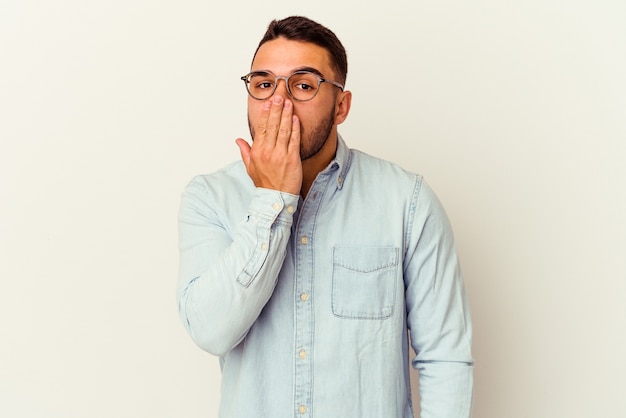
(309, 304)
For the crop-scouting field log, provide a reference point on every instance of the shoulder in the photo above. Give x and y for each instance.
(391, 181)
(231, 177)
(225, 190)
(377, 171)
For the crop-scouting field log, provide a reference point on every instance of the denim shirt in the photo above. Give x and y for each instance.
(312, 305)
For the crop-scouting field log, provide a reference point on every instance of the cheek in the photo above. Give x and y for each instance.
(254, 112)
(254, 107)
(305, 115)
(312, 116)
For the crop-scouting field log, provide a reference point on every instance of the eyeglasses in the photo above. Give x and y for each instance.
(301, 85)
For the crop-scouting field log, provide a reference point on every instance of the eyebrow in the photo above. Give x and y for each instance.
(309, 69)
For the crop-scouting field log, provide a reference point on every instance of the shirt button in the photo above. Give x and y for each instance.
(290, 209)
(302, 409)
(264, 246)
(302, 354)
(304, 240)
(304, 297)
(276, 206)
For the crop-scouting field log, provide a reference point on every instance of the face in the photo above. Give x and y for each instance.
(317, 116)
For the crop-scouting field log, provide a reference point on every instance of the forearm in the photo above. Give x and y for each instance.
(226, 280)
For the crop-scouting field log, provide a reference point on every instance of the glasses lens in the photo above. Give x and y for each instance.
(303, 85)
(260, 85)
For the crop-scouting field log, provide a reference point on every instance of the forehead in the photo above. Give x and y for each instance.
(282, 56)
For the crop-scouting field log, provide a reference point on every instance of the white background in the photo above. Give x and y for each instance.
(514, 111)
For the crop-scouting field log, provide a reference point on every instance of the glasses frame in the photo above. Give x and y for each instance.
(320, 80)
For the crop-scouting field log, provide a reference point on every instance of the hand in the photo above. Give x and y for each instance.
(273, 161)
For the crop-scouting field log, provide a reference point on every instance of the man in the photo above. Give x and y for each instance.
(305, 266)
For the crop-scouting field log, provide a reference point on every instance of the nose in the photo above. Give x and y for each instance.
(281, 88)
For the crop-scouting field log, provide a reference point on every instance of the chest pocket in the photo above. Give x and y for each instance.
(364, 280)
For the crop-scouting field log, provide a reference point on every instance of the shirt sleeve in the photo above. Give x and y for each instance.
(438, 314)
(226, 277)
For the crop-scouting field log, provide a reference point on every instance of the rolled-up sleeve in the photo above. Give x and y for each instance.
(227, 274)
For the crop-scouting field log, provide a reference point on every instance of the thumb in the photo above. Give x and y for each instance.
(244, 149)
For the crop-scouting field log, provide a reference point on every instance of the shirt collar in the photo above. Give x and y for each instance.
(341, 162)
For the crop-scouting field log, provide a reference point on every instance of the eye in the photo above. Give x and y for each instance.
(262, 85)
(304, 86)
(304, 82)
(261, 81)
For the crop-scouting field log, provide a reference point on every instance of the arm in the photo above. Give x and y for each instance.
(226, 278)
(437, 312)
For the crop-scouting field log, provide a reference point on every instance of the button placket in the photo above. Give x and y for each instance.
(303, 304)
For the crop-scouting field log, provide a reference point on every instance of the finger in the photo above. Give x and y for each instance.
(260, 129)
(273, 120)
(294, 139)
(244, 150)
(286, 122)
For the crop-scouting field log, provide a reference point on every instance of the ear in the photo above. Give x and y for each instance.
(342, 106)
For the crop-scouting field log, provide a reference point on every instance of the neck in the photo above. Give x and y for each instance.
(311, 167)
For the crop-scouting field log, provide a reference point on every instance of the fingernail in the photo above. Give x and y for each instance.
(267, 104)
(278, 99)
(287, 103)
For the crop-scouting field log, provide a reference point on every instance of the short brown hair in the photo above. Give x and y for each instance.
(299, 28)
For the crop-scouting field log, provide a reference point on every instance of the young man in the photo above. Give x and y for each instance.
(305, 266)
